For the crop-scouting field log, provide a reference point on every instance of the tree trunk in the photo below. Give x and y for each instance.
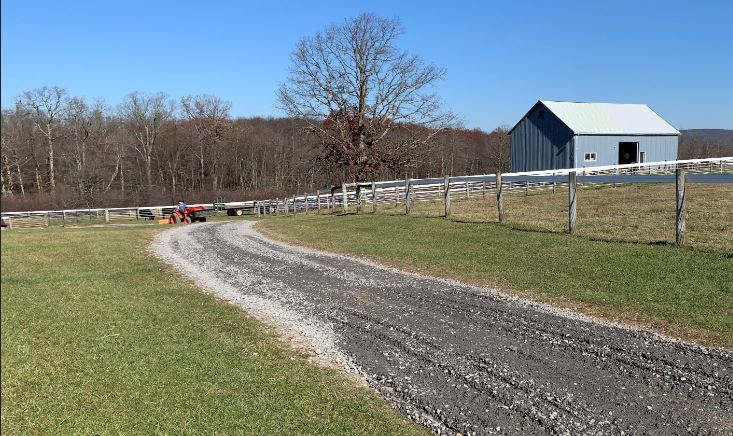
(51, 174)
(20, 177)
(38, 178)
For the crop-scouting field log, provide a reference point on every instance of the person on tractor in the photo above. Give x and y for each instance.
(180, 214)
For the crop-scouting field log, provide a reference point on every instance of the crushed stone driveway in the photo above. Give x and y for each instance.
(458, 358)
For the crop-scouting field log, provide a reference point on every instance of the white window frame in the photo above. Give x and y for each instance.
(590, 156)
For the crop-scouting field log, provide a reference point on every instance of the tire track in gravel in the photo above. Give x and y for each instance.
(458, 358)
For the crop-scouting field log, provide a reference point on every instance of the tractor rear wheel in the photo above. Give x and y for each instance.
(175, 219)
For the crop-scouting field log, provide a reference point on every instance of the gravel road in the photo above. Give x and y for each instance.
(458, 358)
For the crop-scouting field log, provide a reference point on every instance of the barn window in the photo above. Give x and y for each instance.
(642, 156)
(542, 114)
(590, 157)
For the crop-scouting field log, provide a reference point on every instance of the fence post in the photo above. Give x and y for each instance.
(358, 199)
(374, 197)
(483, 190)
(396, 196)
(305, 200)
(106, 215)
(257, 208)
(137, 214)
(572, 202)
(47, 219)
(409, 199)
(295, 209)
(345, 196)
(63, 218)
(9, 221)
(468, 191)
(446, 195)
(500, 198)
(680, 216)
(277, 206)
(553, 184)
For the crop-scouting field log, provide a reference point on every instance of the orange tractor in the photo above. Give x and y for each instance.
(190, 214)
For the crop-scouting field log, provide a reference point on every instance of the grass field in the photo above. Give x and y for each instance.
(98, 337)
(683, 292)
(630, 213)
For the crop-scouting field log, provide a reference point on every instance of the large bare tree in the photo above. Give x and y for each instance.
(144, 116)
(354, 86)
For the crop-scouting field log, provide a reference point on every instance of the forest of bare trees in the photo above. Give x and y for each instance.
(64, 151)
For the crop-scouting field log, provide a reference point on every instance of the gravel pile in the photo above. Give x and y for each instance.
(458, 358)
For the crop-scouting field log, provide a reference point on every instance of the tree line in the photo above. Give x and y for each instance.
(64, 151)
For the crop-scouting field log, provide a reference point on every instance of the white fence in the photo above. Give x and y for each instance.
(394, 192)
(357, 196)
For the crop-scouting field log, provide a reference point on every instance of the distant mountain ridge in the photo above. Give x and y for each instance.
(718, 136)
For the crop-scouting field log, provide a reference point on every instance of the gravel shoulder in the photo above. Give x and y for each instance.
(458, 358)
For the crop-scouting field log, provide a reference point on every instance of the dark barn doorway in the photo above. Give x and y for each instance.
(627, 152)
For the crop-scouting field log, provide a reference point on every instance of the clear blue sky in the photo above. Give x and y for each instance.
(676, 56)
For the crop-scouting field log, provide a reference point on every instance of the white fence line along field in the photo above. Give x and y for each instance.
(407, 192)
(712, 170)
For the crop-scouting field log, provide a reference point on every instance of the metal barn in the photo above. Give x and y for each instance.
(559, 134)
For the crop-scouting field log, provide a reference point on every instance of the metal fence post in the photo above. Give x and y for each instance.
(318, 201)
(572, 202)
(446, 195)
(500, 197)
(468, 191)
(106, 215)
(680, 215)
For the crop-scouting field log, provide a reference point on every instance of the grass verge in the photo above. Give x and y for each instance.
(98, 337)
(682, 292)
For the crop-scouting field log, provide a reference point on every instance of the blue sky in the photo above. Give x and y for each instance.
(676, 56)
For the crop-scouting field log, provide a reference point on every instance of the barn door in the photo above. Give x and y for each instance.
(627, 152)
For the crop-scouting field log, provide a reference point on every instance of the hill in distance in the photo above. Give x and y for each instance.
(717, 136)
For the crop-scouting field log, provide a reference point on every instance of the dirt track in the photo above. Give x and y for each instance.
(459, 358)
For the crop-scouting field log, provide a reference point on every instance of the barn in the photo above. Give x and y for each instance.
(560, 134)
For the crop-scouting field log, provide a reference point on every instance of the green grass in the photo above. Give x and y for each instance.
(629, 213)
(683, 292)
(98, 337)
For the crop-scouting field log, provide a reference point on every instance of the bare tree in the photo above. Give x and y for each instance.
(47, 106)
(353, 85)
(143, 116)
(210, 118)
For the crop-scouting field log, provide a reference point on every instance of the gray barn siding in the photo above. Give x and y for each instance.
(658, 148)
(540, 144)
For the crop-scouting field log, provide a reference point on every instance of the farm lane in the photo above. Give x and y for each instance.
(459, 358)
